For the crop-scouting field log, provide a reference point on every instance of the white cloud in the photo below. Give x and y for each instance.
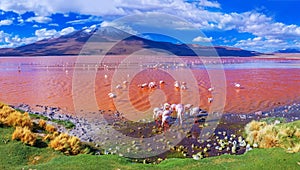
(119, 26)
(6, 22)
(203, 39)
(207, 3)
(52, 33)
(45, 34)
(9, 40)
(39, 19)
(83, 21)
(265, 44)
(66, 31)
(252, 22)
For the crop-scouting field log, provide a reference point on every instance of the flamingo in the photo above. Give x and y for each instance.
(166, 106)
(210, 99)
(237, 85)
(165, 116)
(195, 111)
(119, 86)
(187, 108)
(157, 115)
(144, 85)
(112, 95)
(152, 85)
(180, 111)
(176, 84)
(183, 87)
(161, 82)
(211, 89)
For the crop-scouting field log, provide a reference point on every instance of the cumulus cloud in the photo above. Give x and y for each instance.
(6, 22)
(52, 33)
(66, 31)
(39, 19)
(263, 44)
(203, 39)
(207, 3)
(198, 13)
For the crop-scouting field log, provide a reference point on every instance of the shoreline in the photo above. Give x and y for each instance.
(90, 130)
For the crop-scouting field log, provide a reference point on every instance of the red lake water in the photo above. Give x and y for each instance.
(77, 84)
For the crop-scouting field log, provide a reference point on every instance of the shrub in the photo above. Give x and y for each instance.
(297, 133)
(42, 124)
(25, 135)
(50, 128)
(5, 112)
(254, 126)
(70, 145)
(267, 136)
(18, 119)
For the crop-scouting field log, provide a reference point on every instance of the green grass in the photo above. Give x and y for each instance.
(67, 124)
(15, 155)
(270, 120)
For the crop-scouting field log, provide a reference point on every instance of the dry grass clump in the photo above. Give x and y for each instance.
(11, 117)
(50, 128)
(70, 145)
(254, 126)
(270, 135)
(18, 119)
(5, 112)
(267, 137)
(297, 133)
(42, 124)
(25, 135)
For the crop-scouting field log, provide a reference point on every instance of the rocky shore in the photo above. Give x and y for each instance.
(226, 139)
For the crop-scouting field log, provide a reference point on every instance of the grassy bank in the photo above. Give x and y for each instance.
(16, 155)
(19, 155)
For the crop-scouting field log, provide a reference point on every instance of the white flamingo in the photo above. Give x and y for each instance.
(180, 111)
(144, 85)
(195, 111)
(166, 115)
(183, 87)
(157, 114)
(237, 85)
(210, 99)
(166, 106)
(152, 85)
(211, 89)
(176, 84)
(119, 87)
(161, 82)
(112, 95)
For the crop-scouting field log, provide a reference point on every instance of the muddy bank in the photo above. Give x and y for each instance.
(226, 138)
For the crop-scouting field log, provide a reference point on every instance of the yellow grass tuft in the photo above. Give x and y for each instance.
(268, 136)
(297, 133)
(70, 145)
(18, 119)
(254, 126)
(50, 128)
(25, 135)
(42, 124)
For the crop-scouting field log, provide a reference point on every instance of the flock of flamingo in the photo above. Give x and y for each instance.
(162, 115)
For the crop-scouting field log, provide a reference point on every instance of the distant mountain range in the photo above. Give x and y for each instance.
(288, 50)
(123, 44)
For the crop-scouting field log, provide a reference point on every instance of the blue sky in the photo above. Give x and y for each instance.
(260, 25)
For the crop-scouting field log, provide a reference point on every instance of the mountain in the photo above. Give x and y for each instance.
(288, 50)
(122, 43)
